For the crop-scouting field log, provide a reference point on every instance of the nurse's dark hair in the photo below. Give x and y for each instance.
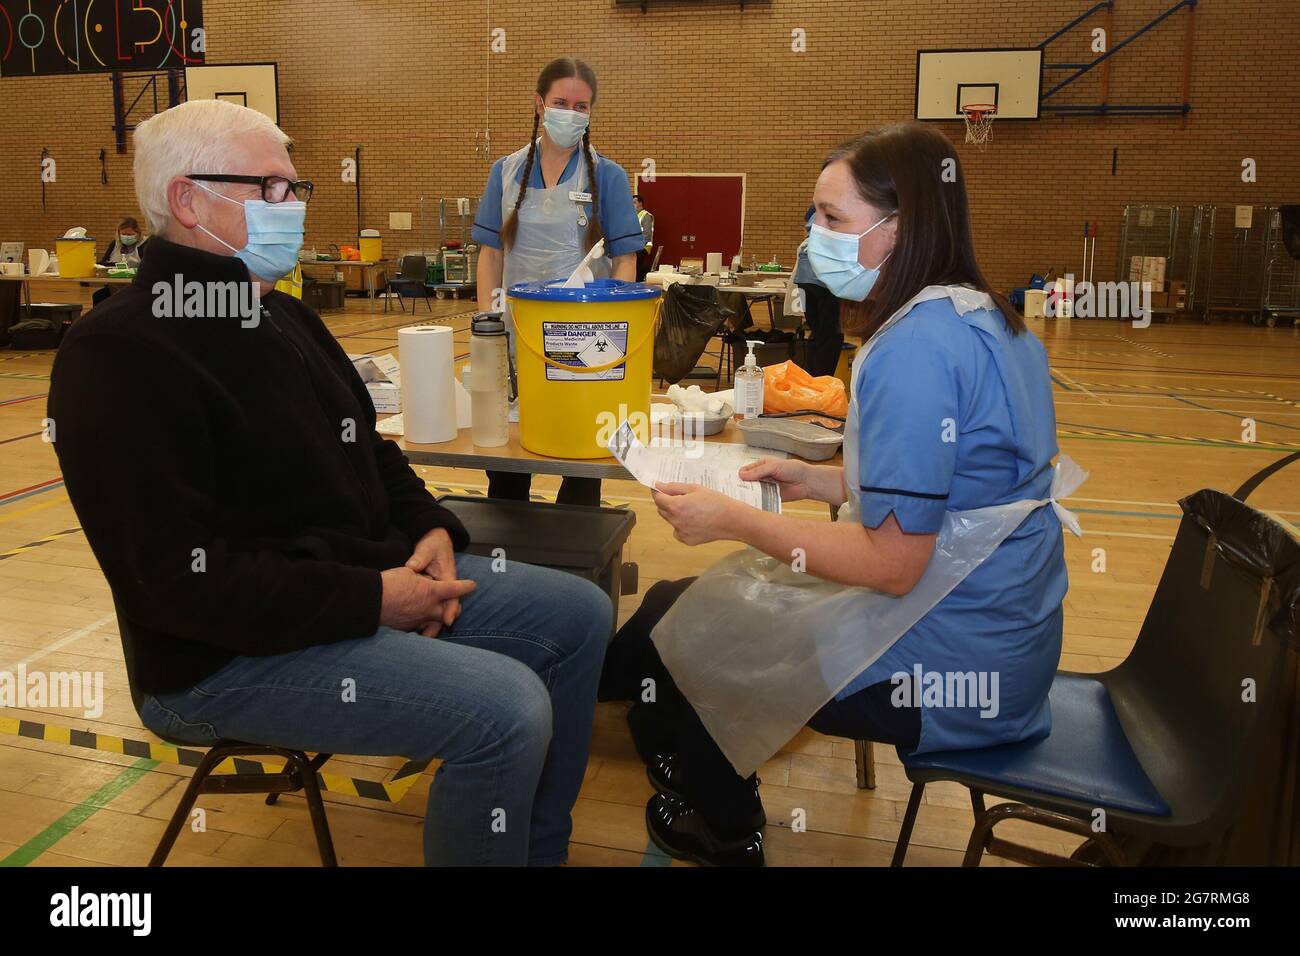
(912, 171)
(561, 69)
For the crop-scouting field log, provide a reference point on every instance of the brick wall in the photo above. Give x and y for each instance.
(706, 87)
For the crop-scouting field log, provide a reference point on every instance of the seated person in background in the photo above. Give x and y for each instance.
(952, 411)
(282, 573)
(127, 246)
(647, 220)
(125, 249)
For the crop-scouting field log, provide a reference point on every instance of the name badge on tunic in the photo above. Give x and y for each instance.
(580, 197)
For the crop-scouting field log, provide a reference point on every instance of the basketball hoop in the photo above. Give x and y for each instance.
(979, 122)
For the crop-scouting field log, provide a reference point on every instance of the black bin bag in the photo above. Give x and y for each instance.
(691, 316)
(1291, 229)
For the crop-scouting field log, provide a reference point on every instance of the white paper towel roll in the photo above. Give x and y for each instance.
(713, 262)
(428, 383)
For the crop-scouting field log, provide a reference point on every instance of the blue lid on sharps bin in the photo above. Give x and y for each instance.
(598, 290)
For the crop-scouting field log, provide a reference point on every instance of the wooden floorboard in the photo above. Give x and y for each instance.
(1153, 414)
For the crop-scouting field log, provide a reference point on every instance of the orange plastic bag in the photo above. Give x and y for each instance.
(350, 253)
(788, 388)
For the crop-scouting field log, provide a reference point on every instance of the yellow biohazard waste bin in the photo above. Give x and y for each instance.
(585, 357)
(76, 257)
(371, 244)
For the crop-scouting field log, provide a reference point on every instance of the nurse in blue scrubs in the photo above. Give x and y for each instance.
(952, 411)
(543, 208)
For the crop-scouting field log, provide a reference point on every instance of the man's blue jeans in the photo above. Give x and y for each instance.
(505, 698)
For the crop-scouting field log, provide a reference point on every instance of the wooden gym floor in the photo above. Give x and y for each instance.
(1153, 413)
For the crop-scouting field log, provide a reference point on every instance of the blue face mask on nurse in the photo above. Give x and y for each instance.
(850, 239)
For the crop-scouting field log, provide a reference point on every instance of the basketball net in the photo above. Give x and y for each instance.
(979, 123)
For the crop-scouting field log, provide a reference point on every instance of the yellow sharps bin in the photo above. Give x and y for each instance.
(371, 245)
(76, 257)
(585, 357)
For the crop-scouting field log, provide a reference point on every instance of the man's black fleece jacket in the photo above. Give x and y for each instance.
(229, 478)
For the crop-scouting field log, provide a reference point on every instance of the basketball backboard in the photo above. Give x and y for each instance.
(254, 85)
(1009, 79)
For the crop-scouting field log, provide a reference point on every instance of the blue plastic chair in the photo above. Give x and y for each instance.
(1159, 750)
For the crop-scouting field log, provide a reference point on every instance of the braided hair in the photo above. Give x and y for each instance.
(563, 68)
(510, 228)
(594, 232)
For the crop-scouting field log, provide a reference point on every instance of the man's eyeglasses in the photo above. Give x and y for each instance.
(274, 188)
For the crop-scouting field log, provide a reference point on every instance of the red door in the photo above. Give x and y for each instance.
(695, 214)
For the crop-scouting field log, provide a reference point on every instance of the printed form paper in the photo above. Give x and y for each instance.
(650, 466)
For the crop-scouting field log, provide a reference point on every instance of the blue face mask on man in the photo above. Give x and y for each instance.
(275, 235)
(565, 127)
(834, 257)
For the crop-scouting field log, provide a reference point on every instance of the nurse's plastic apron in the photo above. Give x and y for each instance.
(552, 236)
(758, 648)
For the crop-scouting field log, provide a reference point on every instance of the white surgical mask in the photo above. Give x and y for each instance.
(565, 127)
(834, 257)
(275, 235)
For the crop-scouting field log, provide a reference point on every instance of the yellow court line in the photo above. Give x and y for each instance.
(1091, 532)
(386, 791)
(10, 516)
(1069, 381)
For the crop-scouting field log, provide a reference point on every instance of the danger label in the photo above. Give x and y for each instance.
(585, 345)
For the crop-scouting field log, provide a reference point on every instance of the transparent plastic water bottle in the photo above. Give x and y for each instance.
(489, 382)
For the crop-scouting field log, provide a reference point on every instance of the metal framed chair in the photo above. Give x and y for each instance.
(411, 283)
(864, 760)
(299, 771)
(299, 774)
(1159, 751)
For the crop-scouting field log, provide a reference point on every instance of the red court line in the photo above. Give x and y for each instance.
(30, 488)
(25, 398)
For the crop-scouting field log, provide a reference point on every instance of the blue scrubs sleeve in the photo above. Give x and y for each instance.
(907, 433)
(618, 218)
(487, 222)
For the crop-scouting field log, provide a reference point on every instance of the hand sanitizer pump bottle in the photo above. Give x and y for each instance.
(749, 384)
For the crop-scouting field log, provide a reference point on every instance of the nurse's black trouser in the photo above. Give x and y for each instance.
(670, 725)
(514, 486)
(822, 313)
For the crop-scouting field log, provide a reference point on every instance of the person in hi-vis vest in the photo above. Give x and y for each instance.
(545, 205)
(647, 220)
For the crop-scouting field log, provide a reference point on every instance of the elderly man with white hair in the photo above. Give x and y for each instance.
(282, 573)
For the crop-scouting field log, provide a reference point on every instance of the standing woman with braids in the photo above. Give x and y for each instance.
(544, 207)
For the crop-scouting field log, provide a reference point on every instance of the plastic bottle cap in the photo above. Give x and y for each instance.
(487, 323)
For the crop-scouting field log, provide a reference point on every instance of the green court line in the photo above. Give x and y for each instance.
(653, 856)
(78, 815)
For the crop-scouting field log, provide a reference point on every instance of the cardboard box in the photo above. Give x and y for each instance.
(1159, 300)
(386, 396)
(383, 379)
(1177, 294)
(1153, 271)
